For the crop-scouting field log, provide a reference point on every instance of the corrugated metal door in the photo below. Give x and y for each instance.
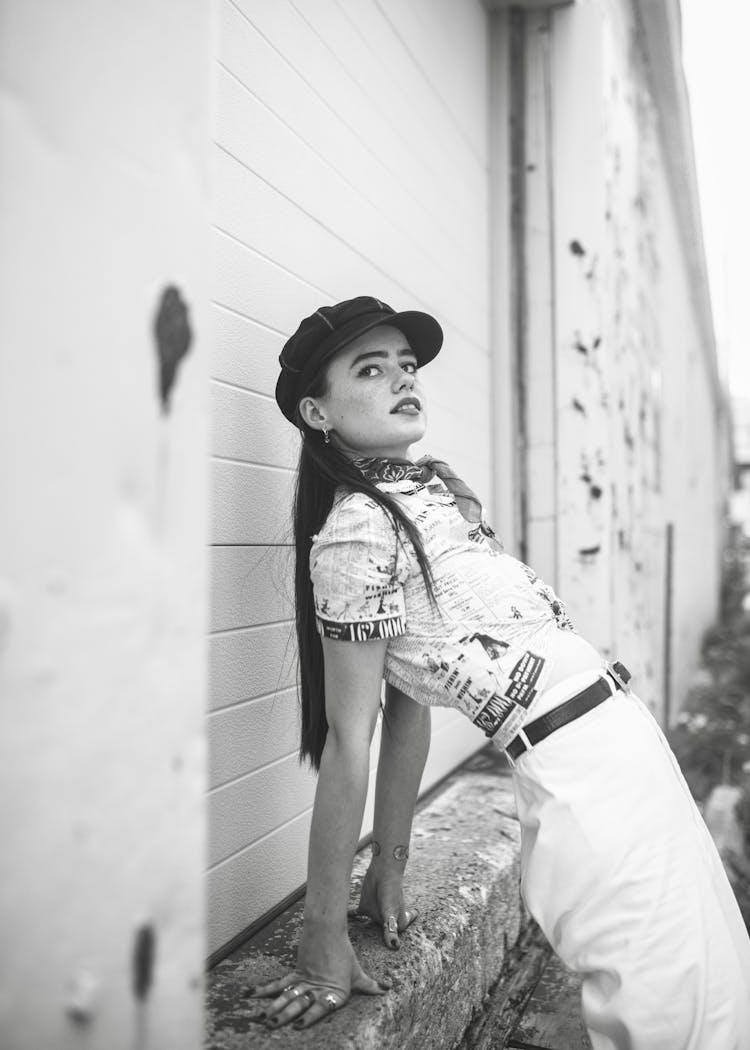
(351, 158)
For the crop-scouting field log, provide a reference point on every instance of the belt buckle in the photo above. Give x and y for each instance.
(622, 682)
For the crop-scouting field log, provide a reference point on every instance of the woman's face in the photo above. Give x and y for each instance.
(373, 404)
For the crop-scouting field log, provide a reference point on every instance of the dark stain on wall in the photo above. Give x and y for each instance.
(173, 338)
(144, 952)
(589, 552)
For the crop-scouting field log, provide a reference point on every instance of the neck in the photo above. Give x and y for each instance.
(400, 456)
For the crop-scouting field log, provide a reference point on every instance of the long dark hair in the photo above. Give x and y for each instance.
(322, 469)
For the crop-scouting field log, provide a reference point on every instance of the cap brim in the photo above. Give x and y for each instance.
(423, 332)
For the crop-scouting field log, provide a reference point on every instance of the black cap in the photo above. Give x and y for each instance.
(321, 335)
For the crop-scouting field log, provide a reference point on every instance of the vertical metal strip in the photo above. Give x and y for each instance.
(518, 261)
(550, 176)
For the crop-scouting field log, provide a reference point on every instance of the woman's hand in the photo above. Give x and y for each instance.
(327, 974)
(382, 900)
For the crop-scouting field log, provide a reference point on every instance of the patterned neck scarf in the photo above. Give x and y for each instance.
(424, 470)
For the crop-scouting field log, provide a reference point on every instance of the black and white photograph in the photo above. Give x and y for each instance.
(375, 525)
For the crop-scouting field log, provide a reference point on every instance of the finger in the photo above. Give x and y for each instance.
(407, 918)
(288, 997)
(362, 914)
(390, 931)
(290, 1011)
(319, 1009)
(264, 991)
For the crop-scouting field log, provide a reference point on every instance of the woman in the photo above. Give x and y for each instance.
(398, 577)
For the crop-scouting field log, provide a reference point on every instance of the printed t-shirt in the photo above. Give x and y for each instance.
(482, 650)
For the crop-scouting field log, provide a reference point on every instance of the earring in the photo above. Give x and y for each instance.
(326, 436)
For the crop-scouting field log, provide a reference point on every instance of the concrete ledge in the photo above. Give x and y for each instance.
(462, 876)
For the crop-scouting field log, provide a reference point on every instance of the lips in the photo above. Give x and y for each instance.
(407, 404)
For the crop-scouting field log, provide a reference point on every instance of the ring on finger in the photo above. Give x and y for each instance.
(309, 995)
(391, 924)
(331, 1002)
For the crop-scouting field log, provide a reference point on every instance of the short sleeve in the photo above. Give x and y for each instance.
(358, 569)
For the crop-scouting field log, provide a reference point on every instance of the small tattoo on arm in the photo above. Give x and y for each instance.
(399, 852)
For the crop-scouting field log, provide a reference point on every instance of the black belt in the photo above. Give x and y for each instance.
(577, 705)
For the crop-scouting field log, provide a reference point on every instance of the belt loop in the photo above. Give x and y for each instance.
(620, 681)
(522, 733)
(525, 741)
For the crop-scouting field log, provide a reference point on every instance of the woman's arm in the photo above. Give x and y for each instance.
(404, 744)
(326, 963)
(353, 675)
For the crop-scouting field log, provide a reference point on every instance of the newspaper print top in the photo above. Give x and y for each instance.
(484, 648)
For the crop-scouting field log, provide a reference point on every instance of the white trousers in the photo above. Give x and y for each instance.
(622, 875)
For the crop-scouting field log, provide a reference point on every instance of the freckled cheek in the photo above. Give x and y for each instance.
(355, 410)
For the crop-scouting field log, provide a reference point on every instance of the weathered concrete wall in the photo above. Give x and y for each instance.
(103, 599)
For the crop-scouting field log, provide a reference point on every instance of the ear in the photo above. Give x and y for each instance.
(311, 413)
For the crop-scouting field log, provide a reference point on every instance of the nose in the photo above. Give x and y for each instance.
(404, 380)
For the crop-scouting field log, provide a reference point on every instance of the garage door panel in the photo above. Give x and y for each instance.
(330, 55)
(251, 586)
(454, 739)
(254, 213)
(251, 663)
(255, 805)
(248, 736)
(444, 39)
(253, 286)
(348, 160)
(388, 72)
(253, 881)
(245, 352)
(248, 131)
(251, 504)
(249, 427)
(399, 191)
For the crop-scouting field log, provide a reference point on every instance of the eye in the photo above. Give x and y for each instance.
(411, 367)
(369, 370)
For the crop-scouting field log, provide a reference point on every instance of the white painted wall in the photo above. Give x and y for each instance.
(638, 415)
(695, 474)
(351, 158)
(103, 599)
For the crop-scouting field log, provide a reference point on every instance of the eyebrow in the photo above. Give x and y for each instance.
(405, 351)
